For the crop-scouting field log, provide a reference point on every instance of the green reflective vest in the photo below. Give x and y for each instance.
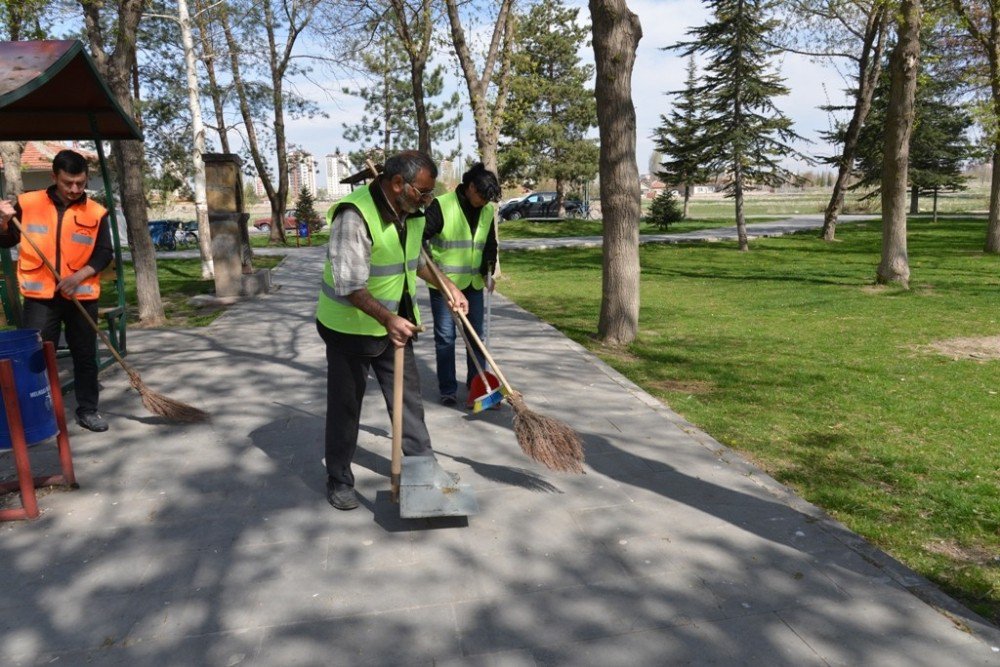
(392, 270)
(454, 248)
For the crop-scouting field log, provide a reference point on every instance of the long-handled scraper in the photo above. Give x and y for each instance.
(419, 484)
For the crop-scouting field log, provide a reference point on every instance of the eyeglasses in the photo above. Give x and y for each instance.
(422, 195)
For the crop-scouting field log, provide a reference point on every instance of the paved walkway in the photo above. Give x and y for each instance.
(778, 227)
(213, 544)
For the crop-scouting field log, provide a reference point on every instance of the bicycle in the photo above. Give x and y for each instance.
(586, 211)
(163, 235)
(186, 234)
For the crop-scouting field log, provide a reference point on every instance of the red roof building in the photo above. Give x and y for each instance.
(36, 164)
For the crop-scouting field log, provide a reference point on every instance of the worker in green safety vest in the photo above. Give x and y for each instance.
(367, 308)
(463, 242)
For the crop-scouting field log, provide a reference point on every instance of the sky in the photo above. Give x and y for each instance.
(664, 22)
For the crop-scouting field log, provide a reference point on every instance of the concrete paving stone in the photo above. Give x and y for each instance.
(420, 635)
(523, 571)
(70, 617)
(681, 645)
(770, 587)
(341, 592)
(543, 618)
(228, 649)
(177, 613)
(897, 629)
(518, 658)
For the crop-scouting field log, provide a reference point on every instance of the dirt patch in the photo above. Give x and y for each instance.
(984, 348)
(684, 386)
(970, 555)
(617, 354)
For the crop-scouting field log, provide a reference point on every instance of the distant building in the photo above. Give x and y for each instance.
(337, 169)
(258, 187)
(301, 173)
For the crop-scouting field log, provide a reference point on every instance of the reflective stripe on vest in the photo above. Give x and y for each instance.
(454, 248)
(391, 269)
(70, 243)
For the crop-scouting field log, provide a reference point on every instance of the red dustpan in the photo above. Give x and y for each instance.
(484, 392)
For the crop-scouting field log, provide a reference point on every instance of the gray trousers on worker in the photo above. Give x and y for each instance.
(349, 359)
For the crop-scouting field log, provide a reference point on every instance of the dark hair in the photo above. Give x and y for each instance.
(69, 162)
(408, 164)
(485, 181)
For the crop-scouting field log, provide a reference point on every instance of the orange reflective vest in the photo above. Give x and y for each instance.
(68, 244)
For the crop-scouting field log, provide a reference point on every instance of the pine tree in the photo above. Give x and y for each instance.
(387, 124)
(305, 209)
(663, 211)
(744, 134)
(679, 140)
(550, 108)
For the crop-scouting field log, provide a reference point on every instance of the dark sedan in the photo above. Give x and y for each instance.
(540, 205)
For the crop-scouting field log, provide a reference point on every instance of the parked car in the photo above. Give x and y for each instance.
(539, 205)
(264, 224)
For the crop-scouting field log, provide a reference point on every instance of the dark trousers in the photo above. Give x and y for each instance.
(348, 360)
(49, 316)
(444, 339)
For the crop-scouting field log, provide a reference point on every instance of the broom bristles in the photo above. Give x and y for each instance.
(546, 440)
(165, 406)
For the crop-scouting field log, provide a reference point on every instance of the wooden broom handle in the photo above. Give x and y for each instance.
(465, 321)
(396, 469)
(76, 302)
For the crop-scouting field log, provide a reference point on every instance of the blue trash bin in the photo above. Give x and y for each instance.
(303, 229)
(34, 396)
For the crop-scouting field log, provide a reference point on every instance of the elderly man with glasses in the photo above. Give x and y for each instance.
(367, 308)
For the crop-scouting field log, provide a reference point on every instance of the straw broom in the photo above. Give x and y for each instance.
(551, 442)
(156, 403)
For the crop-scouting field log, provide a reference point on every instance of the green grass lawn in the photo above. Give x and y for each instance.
(789, 355)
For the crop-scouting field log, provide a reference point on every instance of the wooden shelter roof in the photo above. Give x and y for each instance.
(51, 89)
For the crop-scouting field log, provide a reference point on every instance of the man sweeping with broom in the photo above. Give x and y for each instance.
(74, 232)
(367, 308)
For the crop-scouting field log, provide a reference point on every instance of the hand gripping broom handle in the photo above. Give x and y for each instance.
(76, 302)
(465, 321)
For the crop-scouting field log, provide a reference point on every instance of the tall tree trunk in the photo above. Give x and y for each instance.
(904, 65)
(993, 226)
(423, 126)
(242, 96)
(617, 33)
(416, 38)
(208, 56)
(198, 144)
(486, 116)
(741, 222)
(10, 153)
(869, 68)
(117, 68)
(971, 12)
(277, 65)
(914, 200)
(687, 199)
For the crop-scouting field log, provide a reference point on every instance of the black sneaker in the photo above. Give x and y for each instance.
(341, 496)
(92, 421)
(449, 400)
